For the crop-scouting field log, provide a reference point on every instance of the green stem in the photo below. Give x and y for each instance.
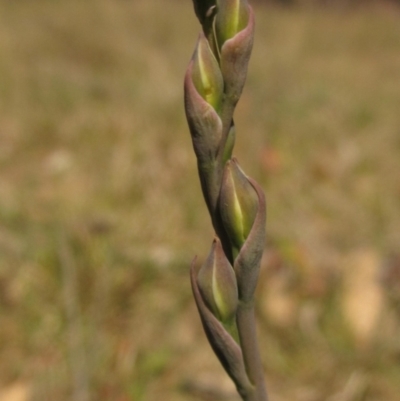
(251, 355)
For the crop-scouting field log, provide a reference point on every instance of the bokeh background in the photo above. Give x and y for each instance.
(101, 211)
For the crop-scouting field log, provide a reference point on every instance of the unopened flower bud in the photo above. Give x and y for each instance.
(238, 204)
(217, 283)
(204, 122)
(206, 74)
(231, 18)
(234, 58)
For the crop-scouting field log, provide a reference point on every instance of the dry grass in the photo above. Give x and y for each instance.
(101, 211)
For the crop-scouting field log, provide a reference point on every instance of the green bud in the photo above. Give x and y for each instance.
(234, 59)
(238, 204)
(217, 283)
(204, 122)
(206, 74)
(231, 18)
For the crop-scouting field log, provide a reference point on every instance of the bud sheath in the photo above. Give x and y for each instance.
(206, 74)
(217, 282)
(232, 17)
(238, 204)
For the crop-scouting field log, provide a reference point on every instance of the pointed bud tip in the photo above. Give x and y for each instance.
(217, 283)
(238, 204)
(206, 73)
(231, 18)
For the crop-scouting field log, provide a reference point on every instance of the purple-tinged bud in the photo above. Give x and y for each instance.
(204, 122)
(217, 283)
(231, 18)
(206, 131)
(225, 347)
(238, 204)
(206, 74)
(247, 262)
(234, 59)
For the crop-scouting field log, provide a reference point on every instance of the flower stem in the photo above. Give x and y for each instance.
(246, 325)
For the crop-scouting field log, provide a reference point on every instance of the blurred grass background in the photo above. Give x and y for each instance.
(101, 210)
